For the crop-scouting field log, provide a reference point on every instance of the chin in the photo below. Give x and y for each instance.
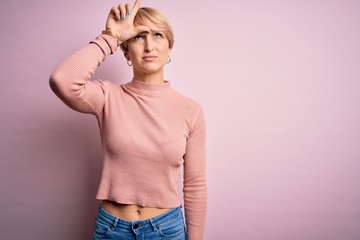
(149, 70)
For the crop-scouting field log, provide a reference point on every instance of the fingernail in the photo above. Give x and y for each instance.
(124, 17)
(129, 13)
(118, 17)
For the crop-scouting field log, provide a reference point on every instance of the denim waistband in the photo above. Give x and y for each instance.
(153, 223)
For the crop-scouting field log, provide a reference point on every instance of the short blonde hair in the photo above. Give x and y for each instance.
(152, 15)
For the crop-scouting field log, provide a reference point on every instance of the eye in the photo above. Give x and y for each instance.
(138, 37)
(158, 35)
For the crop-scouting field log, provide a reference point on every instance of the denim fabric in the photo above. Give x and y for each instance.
(169, 225)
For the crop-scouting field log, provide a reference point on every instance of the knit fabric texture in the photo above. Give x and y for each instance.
(148, 132)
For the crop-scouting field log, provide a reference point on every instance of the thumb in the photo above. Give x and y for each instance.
(141, 28)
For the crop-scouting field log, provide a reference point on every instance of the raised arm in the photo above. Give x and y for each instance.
(71, 82)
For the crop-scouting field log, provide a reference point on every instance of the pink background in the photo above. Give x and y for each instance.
(280, 84)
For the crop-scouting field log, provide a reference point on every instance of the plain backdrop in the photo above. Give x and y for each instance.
(280, 84)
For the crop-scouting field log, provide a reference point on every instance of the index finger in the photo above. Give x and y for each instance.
(136, 6)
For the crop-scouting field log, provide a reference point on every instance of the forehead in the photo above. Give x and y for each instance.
(154, 27)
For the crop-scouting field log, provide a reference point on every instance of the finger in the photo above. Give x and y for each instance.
(116, 12)
(128, 8)
(136, 7)
(122, 10)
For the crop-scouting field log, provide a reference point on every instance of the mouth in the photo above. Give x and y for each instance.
(149, 58)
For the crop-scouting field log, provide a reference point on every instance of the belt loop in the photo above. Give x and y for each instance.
(115, 222)
(153, 224)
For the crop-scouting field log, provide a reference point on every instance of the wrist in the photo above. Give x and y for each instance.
(108, 32)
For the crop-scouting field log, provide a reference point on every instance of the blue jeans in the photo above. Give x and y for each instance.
(169, 225)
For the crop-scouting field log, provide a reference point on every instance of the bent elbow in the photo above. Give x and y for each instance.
(55, 82)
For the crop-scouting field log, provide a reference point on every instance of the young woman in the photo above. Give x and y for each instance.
(148, 131)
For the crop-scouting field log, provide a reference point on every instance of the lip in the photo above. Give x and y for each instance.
(149, 57)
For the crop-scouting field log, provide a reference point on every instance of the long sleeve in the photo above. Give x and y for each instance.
(195, 187)
(71, 82)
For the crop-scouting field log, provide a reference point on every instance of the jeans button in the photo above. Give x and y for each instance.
(136, 226)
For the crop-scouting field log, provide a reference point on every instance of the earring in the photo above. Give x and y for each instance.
(169, 59)
(129, 63)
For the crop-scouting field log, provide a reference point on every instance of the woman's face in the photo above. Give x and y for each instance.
(148, 51)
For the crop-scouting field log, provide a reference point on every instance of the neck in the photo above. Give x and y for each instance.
(157, 77)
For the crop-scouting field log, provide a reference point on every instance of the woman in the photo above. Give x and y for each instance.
(148, 131)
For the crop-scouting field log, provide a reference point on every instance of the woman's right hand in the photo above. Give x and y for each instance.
(120, 22)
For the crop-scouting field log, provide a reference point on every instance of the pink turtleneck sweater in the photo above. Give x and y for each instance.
(148, 132)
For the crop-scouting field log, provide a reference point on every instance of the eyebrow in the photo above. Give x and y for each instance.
(151, 31)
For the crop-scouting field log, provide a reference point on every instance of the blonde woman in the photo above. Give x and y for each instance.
(148, 131)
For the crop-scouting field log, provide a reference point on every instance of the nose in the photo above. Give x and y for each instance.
(149, 43)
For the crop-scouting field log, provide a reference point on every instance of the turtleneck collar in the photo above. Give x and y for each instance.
(148, 88)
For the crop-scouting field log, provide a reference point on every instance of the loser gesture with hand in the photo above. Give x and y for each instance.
(147, 101)
(120, 22)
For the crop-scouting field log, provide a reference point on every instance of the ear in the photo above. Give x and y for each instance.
(126, 55)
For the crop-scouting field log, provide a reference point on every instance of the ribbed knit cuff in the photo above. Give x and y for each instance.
(107, 43)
